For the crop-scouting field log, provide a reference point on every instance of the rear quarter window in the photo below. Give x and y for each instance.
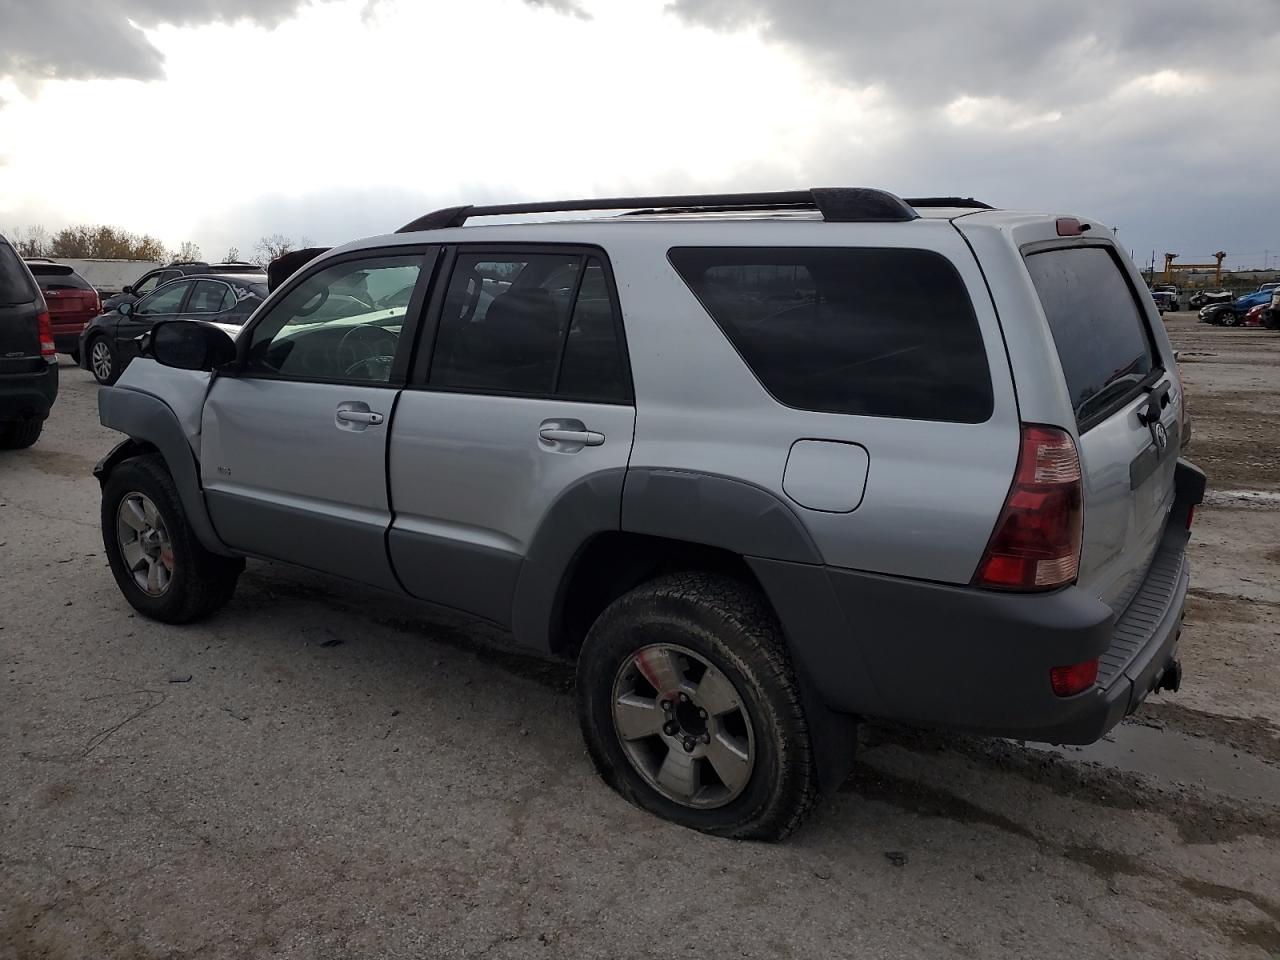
(1100, 332)
(15, 284)
(873, 332)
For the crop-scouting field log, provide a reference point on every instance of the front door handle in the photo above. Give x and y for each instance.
(573, 434)
(356, 415)
(360, 416)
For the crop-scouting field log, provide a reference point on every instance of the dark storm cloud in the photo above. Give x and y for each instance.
(1043, 52)
(84, 39)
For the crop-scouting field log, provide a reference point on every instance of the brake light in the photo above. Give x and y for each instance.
(1069, 227)
(1036, 542)
(45, 329)
(1077, 678)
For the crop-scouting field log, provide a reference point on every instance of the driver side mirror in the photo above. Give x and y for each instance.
(125, 309)
(127, 288)
(189, 345)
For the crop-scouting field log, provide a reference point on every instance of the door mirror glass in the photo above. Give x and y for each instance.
(125, 309)
(190, 345)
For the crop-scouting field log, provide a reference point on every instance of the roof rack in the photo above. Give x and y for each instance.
(967, 203)
(836, 204)
(187, 263)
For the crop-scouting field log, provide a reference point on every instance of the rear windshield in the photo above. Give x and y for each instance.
(1101, 335)
(876, 332)
(58, 276)
(15, 285)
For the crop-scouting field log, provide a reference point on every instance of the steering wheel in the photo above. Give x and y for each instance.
(379, 368)
(367, 343)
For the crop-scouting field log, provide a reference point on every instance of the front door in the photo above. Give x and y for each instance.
(527, 403)
(293, 453)
(164, 304)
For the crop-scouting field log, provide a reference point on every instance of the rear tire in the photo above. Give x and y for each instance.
(104, 364)
(20, 435)
(161, 568)
(724, 648)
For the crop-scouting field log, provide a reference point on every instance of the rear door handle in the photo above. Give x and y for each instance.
(588, 438)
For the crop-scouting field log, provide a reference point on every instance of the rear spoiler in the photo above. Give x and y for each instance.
(286, 265)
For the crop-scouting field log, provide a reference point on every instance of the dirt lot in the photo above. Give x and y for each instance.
(321, 773)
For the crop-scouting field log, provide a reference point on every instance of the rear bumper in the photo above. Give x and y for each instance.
(979, 660)
(28, 396)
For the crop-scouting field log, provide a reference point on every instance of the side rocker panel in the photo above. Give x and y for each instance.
(147, 418)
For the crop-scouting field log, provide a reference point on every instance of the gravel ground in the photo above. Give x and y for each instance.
(321, 773)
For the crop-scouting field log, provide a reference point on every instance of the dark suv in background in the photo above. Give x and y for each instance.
(28, 367)
(224, 299)
(152, 279)
(72, 302)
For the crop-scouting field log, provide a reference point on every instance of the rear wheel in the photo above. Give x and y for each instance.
(103, 362)
(19, 435)
(159, 565)
(690, 708)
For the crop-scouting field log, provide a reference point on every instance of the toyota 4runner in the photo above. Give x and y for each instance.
(762, 464)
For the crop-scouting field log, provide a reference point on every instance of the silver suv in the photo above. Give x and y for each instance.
(762, 464)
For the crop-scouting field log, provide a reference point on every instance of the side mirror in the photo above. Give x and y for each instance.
(128, 288)
(124, 309)
(189, 345)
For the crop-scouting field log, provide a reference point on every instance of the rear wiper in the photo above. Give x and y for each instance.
(1106, 395)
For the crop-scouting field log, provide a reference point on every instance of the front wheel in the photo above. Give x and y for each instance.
(1229, 319)
(159, 565)
(691, 710)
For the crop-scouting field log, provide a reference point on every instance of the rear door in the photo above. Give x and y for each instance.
(1118, 385)
(525, 399)
(20, 304)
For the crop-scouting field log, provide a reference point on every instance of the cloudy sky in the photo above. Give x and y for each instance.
(219, 121)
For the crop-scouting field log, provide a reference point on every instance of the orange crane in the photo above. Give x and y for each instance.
(1170, 266)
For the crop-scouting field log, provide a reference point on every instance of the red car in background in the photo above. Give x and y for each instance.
(72, 301)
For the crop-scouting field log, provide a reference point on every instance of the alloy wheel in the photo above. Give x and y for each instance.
(683, 726)
(144, 544)
(100, 360)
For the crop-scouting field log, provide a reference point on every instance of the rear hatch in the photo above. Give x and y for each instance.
(71, 299)
(20, 308)
(1127, 408)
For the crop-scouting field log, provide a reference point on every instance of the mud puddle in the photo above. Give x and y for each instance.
(1177, 758)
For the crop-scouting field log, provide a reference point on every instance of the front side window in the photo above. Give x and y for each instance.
(147, 284)
(168, 299)
(536, 324)
(210, 296)
(342, 323)
(852, 330)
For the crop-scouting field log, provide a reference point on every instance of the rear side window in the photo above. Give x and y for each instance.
(210, 296)
(874, 332)
(15, 285)
(535, 324)
(1101, 335)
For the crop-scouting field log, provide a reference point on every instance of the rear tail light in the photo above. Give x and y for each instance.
(1036, 542)
(1077, 678)
(1191, 515)
(45, 328)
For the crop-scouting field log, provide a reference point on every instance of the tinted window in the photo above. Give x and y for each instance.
(593, 366)
(1100, 333)
(885, 333)
(15, 285)
(210, 296)
(56, 276)
(165, 300)
(342, 323)
(503, 322)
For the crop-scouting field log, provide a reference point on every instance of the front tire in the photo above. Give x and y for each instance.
(690, 708)
(104, 364)
(20, 435)
(161, 568)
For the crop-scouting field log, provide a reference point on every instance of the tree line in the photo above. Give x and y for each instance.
(100, 241)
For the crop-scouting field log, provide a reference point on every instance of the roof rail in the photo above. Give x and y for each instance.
(966, 202)
(836, 204)
(187, 263)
